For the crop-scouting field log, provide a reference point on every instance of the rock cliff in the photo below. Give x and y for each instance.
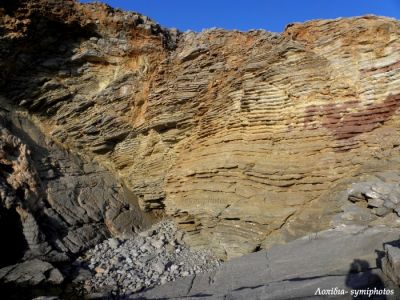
(245, 139)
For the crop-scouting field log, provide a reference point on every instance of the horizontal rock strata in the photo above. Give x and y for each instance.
(241, 137)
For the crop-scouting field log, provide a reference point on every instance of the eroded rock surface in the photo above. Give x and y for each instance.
(53, 205)
(241, 137)
(391, 262)
(347, 259)
(31, 273)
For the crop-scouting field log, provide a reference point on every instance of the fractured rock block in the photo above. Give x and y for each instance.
(391, 263)
(31, 273)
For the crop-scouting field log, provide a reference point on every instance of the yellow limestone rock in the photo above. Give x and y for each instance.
(241, 137)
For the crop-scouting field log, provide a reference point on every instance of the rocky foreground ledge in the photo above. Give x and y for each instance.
(332, 264)
(325, 265)
(115, 267)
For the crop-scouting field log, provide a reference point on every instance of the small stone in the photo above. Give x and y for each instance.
(145, 248)
(397, 210)
(394, 197)
(163, 280)
(169, 248)
(140, 241)
(389, 204)
(82, 275)
(157, 244)
(382, 189)
(381, 211)
(55, 277)
(373, 195)
(159, 267)
(374, 202)
(113, 243)
(173, 268)
(99, 270)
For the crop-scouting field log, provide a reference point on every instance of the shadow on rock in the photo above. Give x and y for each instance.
(360, 279)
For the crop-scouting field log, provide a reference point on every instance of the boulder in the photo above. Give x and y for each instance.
(31, 273)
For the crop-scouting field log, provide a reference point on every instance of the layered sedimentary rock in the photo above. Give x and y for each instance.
(244, 138)
(55, 205)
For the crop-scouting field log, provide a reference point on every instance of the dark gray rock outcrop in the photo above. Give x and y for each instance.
(31, 273)
(347, 259)
(53, 204)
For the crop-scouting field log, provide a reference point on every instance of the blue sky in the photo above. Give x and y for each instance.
(271, 15)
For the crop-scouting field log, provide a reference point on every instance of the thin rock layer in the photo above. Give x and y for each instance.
(244, 138)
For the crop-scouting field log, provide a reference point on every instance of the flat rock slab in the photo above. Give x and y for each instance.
(347, 259)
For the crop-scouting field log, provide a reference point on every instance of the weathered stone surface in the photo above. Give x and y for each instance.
(391, 262)
(241, 137)
(53, 204)
(31, 273)
(344, 258)
(152, 258)
(369, 200)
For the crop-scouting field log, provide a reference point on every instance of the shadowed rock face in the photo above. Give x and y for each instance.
(245, 138)
(54, 204)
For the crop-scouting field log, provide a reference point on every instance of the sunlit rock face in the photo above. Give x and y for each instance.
(246, 139)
